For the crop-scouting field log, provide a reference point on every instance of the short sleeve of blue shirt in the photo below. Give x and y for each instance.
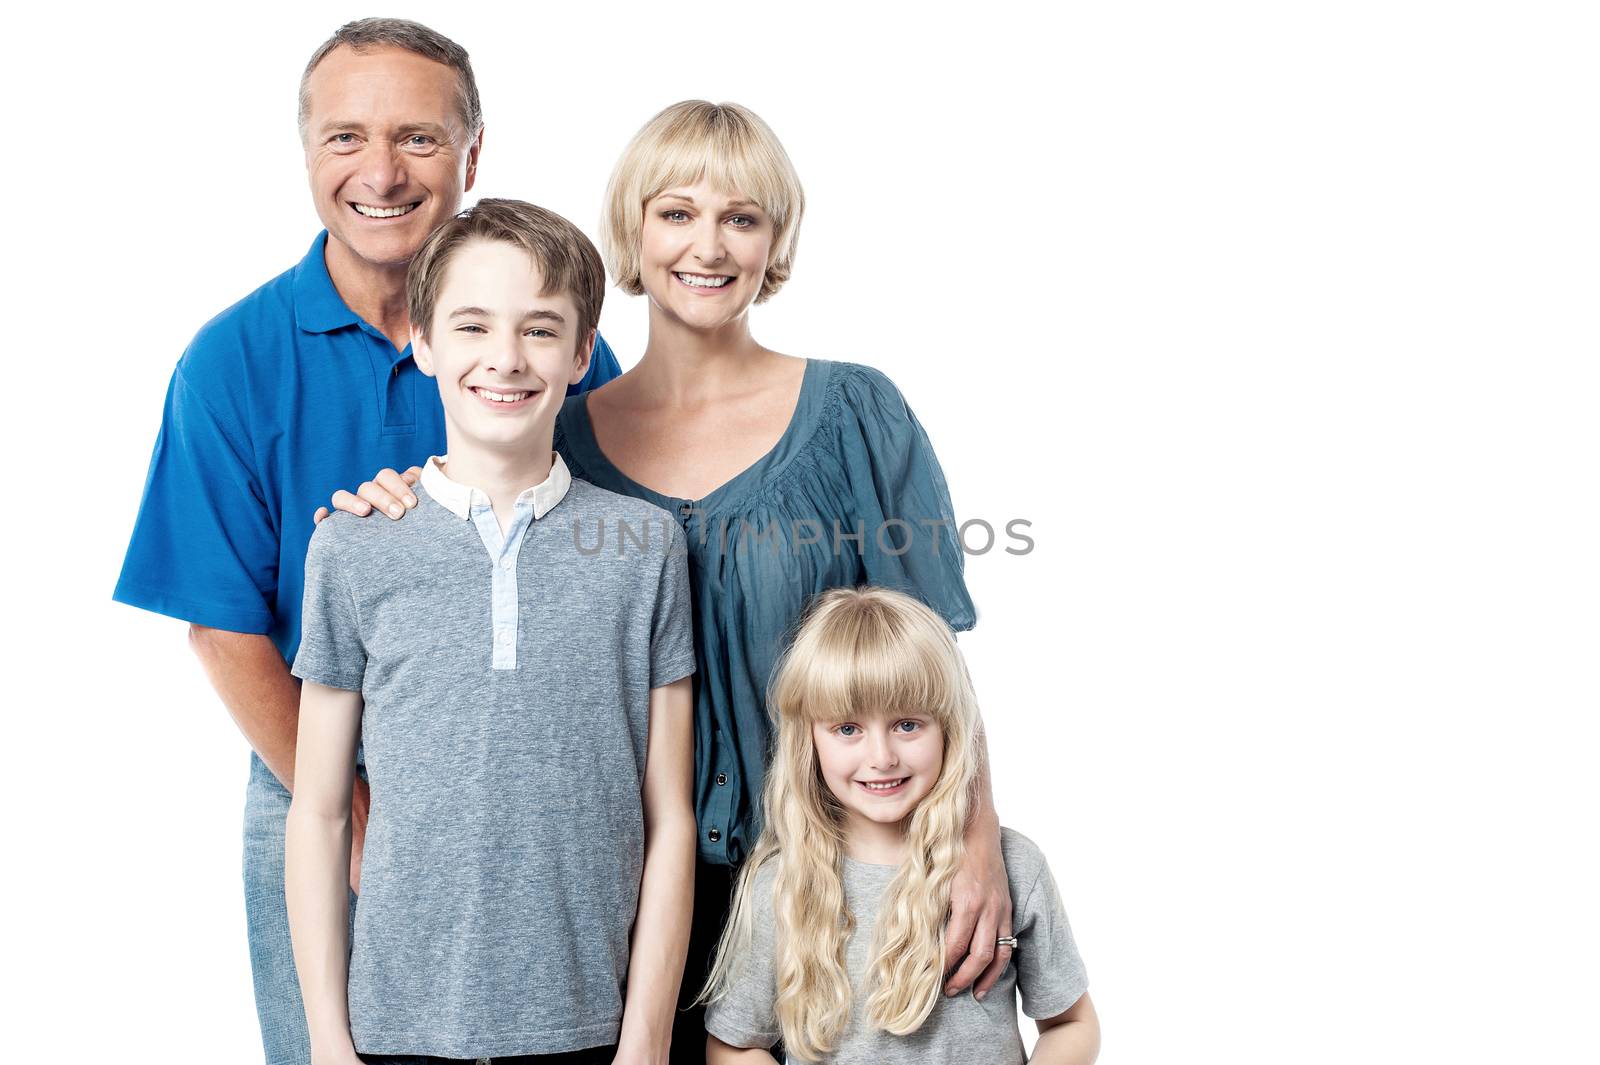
(204, 548)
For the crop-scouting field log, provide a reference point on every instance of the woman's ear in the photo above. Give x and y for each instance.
(421, 354)
(580, 361)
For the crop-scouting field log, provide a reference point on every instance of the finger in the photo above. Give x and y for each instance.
(396, 485)
(958, 934)
(381, 498)
(413, 475)
(348, 503)
(322, 512)
(980, 952)
(1002, 956)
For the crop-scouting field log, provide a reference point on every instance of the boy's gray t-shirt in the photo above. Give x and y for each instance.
(1045, 968)
(505, 842)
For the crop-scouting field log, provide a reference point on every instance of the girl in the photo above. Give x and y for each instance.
(835, 944)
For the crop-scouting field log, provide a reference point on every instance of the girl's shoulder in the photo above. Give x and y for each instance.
(1024, 860)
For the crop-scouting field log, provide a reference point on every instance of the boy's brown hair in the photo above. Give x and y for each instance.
(566, 258)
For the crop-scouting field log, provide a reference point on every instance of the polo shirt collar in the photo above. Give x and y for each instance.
(459, 499)
(318, 307)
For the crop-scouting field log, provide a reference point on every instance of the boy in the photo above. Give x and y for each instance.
(530, 789)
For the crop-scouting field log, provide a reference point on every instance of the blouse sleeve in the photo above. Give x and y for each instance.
(907, 526)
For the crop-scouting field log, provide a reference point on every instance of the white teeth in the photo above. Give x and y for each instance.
(703, 282)
(502, 397)
(883, 785)
(383, 212)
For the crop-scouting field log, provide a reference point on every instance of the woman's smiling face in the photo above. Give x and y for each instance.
(703, 254)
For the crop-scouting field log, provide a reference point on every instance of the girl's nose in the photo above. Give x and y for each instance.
(883, 756)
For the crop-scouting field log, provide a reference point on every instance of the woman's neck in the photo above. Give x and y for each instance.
(685, 368)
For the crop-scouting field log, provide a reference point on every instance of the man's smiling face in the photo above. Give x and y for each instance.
(386, 151)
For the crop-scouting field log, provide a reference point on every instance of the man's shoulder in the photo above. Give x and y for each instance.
(261, 319)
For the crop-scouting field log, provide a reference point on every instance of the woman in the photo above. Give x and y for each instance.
(789, 476)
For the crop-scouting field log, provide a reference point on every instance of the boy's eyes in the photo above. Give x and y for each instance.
(538, 332)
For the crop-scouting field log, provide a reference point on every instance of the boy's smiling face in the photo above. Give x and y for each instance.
(502, 352)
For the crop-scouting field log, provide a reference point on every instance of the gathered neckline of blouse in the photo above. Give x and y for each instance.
(809, 415)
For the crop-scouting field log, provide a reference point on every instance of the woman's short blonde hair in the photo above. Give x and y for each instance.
(727, 145)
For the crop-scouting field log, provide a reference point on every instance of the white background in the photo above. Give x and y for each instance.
(1276, 320)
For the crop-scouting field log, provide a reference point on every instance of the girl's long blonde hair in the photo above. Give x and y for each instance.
(859, 652)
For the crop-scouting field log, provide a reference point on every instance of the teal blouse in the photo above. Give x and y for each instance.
(851, 494)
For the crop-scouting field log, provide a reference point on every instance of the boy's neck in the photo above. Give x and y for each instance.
(874, 842)
(501, 475)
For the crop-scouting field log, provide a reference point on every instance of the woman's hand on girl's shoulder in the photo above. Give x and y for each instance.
(389, 491)
(980, 915)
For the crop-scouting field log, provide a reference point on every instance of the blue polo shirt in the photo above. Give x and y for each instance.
(280, 400)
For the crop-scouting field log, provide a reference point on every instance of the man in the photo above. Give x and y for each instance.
(303, 387)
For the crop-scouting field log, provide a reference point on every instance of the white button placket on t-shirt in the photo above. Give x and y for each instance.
(503, 551)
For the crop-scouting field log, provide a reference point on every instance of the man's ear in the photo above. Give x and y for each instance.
(421, 354)
(580, 362)
(472, 161)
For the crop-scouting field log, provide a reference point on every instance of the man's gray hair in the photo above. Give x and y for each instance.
(366, 33)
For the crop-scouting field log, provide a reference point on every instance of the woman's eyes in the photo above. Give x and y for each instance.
(738, 221)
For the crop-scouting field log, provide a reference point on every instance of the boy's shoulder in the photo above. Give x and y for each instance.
(349, 540)
(589, 502)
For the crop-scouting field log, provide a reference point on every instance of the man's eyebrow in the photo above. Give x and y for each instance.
(342, 124)
(433, 129)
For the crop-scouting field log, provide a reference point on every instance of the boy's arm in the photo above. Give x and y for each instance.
(666, 893)
(254, 683)
(316, 848)
(720, 1053)
(1070, 1038)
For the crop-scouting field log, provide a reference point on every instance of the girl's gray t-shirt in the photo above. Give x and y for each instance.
(1045, 969)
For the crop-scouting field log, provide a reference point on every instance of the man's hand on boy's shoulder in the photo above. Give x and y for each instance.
(388, 491)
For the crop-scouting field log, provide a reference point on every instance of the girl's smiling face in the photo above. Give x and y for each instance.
(703, 254)
(879, 768)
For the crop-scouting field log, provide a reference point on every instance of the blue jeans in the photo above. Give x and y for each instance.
(284, 1035)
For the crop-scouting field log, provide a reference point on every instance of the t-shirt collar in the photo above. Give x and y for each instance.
(318, 307)
(459, 499)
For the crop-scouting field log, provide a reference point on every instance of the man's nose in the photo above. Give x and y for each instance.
(382, 170)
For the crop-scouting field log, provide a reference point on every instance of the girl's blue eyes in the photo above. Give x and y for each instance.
(904, 727)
